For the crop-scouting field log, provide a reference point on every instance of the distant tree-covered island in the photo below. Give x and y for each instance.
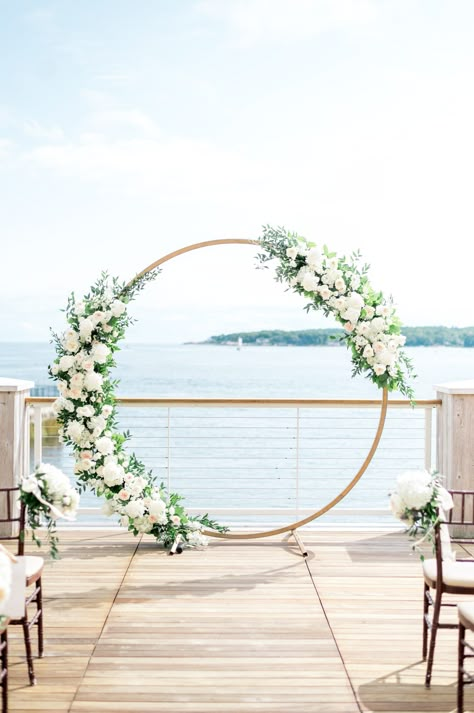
(416, 337)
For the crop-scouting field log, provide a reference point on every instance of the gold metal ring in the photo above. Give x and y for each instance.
(365, 464)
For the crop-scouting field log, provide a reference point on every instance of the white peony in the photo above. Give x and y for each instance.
(112, 474)
(117, 308)
(310, 282)
(93, 381)
(100, 352)
(74, 430)
(104, 445)
(156, 507)
(135, 508)
(85, 411)
(66, 362)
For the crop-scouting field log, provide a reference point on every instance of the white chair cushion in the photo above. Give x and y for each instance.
(455, 574)
(33, 565)
(466, 611)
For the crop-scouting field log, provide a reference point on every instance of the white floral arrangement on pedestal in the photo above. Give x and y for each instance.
(417, 500)
(48, 495)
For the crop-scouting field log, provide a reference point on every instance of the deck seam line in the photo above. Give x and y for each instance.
(105, 623)
(333, 637)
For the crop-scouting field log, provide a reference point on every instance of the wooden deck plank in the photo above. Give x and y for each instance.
(243, 627)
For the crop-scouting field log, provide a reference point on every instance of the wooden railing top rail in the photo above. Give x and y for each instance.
(170, 401)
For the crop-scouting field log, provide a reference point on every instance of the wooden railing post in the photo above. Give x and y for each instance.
(455, 434)
(14, 436)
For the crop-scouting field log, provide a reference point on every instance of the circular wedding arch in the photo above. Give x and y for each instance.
(363, 467)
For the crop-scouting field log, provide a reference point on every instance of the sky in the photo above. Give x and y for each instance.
(131, 128)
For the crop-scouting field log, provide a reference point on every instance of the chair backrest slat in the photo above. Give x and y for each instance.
(8, 497)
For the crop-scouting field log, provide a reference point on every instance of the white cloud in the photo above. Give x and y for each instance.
(257, 21)
(5, 146)
(33, 128)
(126, 118)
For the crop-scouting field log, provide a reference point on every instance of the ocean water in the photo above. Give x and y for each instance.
(224, 371)
(263, 458)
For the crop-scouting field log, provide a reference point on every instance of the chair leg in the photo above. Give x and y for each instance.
(462, 634)
(4, 664)
(29, 656)
(39, 610)
(426, 604)
(434, 631)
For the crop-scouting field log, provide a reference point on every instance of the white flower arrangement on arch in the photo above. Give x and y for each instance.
(87, 415)
(341, 288)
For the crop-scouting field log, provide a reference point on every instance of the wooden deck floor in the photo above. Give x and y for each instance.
(240, 628)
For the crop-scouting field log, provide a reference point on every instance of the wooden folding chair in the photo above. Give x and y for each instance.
(34, 568)
(446, 575)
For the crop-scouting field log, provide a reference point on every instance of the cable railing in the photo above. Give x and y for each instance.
(262, 462)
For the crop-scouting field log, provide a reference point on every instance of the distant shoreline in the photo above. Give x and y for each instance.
(415, 337)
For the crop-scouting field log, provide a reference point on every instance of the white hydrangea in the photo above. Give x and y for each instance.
(415, 488)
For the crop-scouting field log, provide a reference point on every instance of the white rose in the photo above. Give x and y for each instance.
(135, 508)
(292, 252)
(156, 507)
(386, 357)
(368, 351)
(97, 317)
(377, 324)
(71, 345)
(349, 327)
(104, 445)
(107, 410)
(378, 347)
(69, 406)
(379, 369)
(66, 362)
(325, 292)
(85, 329)
(340, 284)
(100, 352)
(85, 411)
(384, 310)
(93, 381)
(310, 282)
(54, 369)
(76, 381)
(352, 315)
(75, 430)
(313, 257)
(355, 282)
(79, 308)
(355, 300)
(369, 311)
(117, 308)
